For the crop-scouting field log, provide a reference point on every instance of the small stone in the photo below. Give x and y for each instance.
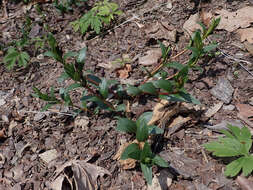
(49, 155)
(229, 107)
(39, 116)
(223, 90)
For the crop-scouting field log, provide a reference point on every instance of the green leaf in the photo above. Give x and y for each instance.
(154, 130)
(73, 86)
(98, 101)
(46, 107)
(209, 47)
(164, 84)
(142, 132)
(225, 147)
(11, 64)
(93, 79)
(144, 118)
(146, 153)
(181, 97)
(160, 161)
(52, 54)
(234, 167)
(213, 25)
(69, 54)
(82, 55)
(131, 151)
(103, 88)
(64, 76)
(43, 96)
(121, 107)
(23, 58)
(203, 27)
(147, 172)
(10, 56)
(148, 88)
(103, 11)
(247, 167)
(96, 24)
(132, 90)
(126, 125)
(175, 65)
(165, 50)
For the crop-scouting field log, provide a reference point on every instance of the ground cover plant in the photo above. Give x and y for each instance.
(129, 107)
(109, 94)
(236, 143)
(102, 13)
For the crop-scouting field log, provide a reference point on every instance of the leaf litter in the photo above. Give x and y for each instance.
(77, 175)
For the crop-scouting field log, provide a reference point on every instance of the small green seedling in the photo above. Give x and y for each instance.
(236, 143)
(135, 151)
(15, 55)
(16, 52)
(102, 13)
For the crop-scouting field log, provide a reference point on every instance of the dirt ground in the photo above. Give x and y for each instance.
(26, 133)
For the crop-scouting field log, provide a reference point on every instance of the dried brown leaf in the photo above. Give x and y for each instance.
(151, 58)
(191, 24)
(158, 111)
(84, 176)
(231, 21)
(245, 110)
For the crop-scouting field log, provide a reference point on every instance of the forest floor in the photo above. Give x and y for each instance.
(34, 145)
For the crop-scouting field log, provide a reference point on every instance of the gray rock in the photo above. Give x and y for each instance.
(223, 90)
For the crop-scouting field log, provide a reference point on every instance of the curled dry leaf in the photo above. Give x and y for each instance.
(128, 163)
(231, 21)
(244, 183)
(78, 175)
(161, 30)
(158, 111)
(124, 72)
(151, 58)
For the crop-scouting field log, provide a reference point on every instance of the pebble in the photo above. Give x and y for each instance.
(229, 107)
(223, 90)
